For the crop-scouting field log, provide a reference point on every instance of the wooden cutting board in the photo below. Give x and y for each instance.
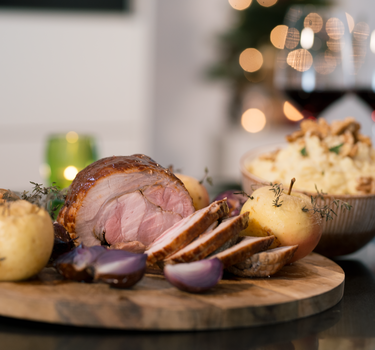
(304, 288)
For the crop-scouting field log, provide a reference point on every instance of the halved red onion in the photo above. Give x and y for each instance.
(63, 243)
(235, 201)
(74, 264)
(196, 277)
(119, 268)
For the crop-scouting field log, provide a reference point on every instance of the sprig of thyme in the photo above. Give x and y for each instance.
(244, 194)
(50, 198)
(206, 177)
(277, 188)
(326, 211)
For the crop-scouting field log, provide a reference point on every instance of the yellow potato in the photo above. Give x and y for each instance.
(197, 191)
(26, 240)
(288, 223)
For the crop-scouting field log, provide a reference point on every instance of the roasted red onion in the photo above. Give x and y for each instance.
(119, 268)
(62, 243)
(196, 277)
(75, 264)
(235, 200)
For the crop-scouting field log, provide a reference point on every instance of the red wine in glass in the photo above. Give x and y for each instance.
(314, 102)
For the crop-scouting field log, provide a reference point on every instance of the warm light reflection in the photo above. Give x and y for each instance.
(253, 120)
(324, 66)
(301, 60)
(293, 15)
(278, 36)
(240, 4)
(313, 21)
(307, 38)
(251, 60)
(330, 57)
(267, 3)
(71, 137)
(334, 45)
(351, 22)
(292, 38)
(70, 172)
(291, 112)
(335, 28)
(361, 31)
(372, 41)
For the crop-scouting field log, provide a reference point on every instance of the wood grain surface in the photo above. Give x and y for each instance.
(304, 288)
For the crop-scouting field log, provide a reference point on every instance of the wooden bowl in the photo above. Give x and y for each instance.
(348, 232)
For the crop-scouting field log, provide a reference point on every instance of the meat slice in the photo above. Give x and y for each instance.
(182, 233)
(132, 247)
(264, 264)
(124, 199)
(209, 242)
(243, 250)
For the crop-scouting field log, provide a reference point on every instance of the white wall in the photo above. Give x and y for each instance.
(62, 71)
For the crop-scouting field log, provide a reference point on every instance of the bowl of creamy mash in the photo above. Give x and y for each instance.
(335, 160)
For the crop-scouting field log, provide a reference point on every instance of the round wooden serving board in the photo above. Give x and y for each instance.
(304, 288)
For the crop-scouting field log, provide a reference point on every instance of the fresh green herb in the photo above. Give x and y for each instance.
(278, 190)
(207, 178)
(336, 149)
(50, 198)
(325, 211)
(304, 152)
(244, 194)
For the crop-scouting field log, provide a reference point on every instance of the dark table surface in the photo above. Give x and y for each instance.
(348, 325)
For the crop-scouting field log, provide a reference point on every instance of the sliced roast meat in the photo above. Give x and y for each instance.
(132, 247)
(264, 264)
(209, 242)
(243, 250)
(124, 199)
(182, 233)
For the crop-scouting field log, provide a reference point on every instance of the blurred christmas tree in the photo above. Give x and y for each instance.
(252, 29)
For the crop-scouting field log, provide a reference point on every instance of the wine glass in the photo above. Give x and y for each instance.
(315, 67)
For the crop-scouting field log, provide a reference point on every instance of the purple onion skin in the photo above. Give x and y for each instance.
(235, 201)
(196, 277)
(75, 264)
(62, 242)
(119, 268)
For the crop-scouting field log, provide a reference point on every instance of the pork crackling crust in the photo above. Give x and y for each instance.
(101, 193)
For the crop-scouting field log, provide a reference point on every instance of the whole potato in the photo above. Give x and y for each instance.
(197, 191)
(26, 240)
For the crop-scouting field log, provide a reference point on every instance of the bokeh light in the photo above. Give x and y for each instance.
(278, 36)
(301, 60)
(324, 65)
(253, 120)
(335, 28)
(72, 137)
(292, 38)
(313, 21)
(70, 172)
(293, 15)
(361, 31)
(267, 3)
(240, 4)
(372, 41)
(307, 38)
(291, 112)
(334, 45)
(251, 60)
(351, 22)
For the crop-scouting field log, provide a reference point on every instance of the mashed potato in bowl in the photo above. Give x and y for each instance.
(335, 158)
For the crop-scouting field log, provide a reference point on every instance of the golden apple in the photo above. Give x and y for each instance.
(284, 219)
(26, 240)
(197, 191)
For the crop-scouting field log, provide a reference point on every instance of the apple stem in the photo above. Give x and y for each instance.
(291, 185)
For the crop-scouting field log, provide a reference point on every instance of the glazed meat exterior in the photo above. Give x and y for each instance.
(124, 199)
